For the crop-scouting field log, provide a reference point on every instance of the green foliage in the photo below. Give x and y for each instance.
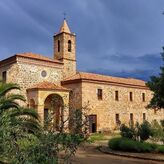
(96, 137)
(160, 149)
(129, 145)
(138, 132)
(157, 131)
(24, 140)
(114, 143)
(144, 131)
(156, 84)
(126, 131)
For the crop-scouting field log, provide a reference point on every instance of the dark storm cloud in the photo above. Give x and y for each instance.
(106, 31)
(141, 67)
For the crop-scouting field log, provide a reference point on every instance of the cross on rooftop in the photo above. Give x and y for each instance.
(64, 14)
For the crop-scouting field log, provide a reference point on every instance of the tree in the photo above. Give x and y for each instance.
(23, 140)
(16, 122)
(156, 84)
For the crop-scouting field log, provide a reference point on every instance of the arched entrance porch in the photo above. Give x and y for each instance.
(54, 111)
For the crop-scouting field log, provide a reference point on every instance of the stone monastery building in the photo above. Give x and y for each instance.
(111, 100)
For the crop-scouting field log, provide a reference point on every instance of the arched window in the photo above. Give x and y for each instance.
(58, 45)
(69, 46)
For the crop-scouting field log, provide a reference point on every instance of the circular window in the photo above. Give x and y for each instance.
(44, 73)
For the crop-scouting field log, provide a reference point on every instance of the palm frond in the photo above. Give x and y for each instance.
(7, 87)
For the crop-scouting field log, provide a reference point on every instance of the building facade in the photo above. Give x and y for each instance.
(111, 100)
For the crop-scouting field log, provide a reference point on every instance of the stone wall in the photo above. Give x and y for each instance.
(75, 95)
(107, 108)
(28, 72)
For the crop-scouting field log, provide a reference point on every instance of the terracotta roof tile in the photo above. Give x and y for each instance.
(37, 56)
(104, 78)
(48, 85)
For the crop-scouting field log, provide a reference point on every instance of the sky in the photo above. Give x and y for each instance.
(114, 37)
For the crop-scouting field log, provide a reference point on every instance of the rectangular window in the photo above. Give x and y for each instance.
(131, 96)
(4, 76)
(99, 94)
(58, 45)
(144, 116)
(116, 96)
(131, 116)
(143, 97)
(117, 119)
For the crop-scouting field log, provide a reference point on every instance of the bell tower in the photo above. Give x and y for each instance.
(65, 49)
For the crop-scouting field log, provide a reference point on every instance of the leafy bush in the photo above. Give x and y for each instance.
(129, 145)
(157, 131)
(138, 132)
(145, 131)
(126, 131)
(160, 149)
(114, 143)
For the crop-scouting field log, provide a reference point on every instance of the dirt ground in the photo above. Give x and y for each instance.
(90, 155)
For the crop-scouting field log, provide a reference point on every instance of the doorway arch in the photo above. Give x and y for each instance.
(53, 110)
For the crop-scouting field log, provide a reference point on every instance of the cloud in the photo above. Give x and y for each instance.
(141, 67)
(112, 35)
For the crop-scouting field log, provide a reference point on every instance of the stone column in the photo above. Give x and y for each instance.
(40, 110)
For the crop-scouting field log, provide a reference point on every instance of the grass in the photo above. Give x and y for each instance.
(96, 137)
(100, 136)
(128, 145)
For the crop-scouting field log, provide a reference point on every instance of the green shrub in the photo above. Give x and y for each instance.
(144, 131)
(129, 145)
(138, 132)
(126, 131)
(157, 131)
(114, 143)
(160, 149)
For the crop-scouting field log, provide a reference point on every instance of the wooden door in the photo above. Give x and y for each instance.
(92, 123)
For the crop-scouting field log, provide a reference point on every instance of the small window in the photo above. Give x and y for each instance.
(143, 97)
(144, 116)
(69, 46)
(131, 96)
(131, 116)
(116, 96)
(4, 76)
(118, 119)
(58, 45)
(99, 94)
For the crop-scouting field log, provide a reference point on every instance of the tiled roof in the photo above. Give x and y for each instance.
(37, 56)
(48, 85)
(104, 78)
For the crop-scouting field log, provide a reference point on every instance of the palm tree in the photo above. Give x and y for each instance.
(16, 122)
